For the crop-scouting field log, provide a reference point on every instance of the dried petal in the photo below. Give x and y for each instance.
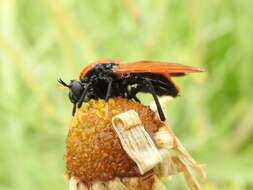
(73, 182)
(158, 185)
(98, 186)
(116, 184)
(82, 186)
(136, 141)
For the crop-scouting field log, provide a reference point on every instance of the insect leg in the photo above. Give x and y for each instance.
(158, 105)
(109, 88)
(74, 110)
(80, 101)
(136, 98)
(132, 93)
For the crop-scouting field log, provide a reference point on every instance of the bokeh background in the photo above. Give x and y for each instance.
(45, 39)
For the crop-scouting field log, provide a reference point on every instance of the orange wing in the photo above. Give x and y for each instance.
(156, 67)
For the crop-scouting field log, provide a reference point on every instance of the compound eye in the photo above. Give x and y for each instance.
(76, 89)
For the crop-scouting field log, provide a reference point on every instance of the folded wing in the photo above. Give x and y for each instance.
(155, 67)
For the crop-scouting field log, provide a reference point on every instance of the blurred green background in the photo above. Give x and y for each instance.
(45, 39)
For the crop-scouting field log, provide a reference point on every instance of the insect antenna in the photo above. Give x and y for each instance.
(63, 83)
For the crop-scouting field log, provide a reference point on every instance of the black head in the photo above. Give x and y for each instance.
(75, 89)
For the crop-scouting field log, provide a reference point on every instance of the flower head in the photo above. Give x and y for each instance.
(98, 156)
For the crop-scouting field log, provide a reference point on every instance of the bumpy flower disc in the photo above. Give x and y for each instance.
(94, 152)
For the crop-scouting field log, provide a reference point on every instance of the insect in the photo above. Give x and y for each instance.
(109, 78)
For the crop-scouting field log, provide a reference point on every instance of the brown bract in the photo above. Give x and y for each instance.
(93, 150)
